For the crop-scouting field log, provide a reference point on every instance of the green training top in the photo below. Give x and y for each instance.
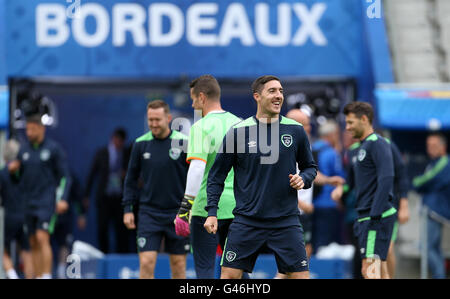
(205, 139)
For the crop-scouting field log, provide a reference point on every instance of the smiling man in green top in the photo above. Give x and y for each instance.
(205, 138)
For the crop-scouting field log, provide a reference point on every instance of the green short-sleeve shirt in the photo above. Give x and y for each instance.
(205, 139)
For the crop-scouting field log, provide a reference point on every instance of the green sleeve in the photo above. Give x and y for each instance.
(197, 146)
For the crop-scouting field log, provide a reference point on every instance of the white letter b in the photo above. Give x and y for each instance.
(51, 18)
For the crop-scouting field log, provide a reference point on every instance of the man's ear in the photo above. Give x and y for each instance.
(256, 96)
(203, 96)
(365, 119)
(169, 117)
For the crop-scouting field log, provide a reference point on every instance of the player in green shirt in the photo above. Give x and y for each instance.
(205, 138)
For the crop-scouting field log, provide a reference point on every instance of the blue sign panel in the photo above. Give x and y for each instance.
(173, 38)
(419, 109)
(126, 266)
(2, 44)
(4, 108)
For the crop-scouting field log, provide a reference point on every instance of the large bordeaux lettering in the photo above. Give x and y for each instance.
(198, 23)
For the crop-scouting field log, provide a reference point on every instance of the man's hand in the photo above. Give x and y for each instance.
(128, 220)
(81, 222)
(296, 181)
(182, 219)
(61, 207)
(336, 180)
(336, 194)
(322, 179)
(403, 211)
(211, 224)
(13, 166)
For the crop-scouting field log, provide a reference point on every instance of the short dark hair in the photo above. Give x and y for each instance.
(359, 109)
(258, 84)
(155, 104)
(206, 84)
(120, 133)
(35, 119)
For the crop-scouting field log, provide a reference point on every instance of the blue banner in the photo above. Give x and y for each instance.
(414, 108)
(375, 30)
(3, 79)
(172, 38)
(4, 108)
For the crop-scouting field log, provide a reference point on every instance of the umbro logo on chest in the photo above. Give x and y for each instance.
(146, 155)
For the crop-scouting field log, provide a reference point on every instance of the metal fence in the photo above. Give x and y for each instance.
(424, 214)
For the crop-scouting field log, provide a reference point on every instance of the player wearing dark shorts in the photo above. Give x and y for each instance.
(14, 204)
(44, 169)
(263, 150)
(158, 158)
(373, 181)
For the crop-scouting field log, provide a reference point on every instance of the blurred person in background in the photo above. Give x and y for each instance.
(344, 194)
(62, 238)
(434, 185)
(109, 168)
(43, 167)
(159, 158)
(401, 188)
(14, 204)
(304, 195)
(327, 217)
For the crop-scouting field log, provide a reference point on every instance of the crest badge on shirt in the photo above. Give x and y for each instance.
(361, 154)
(174, 153)
(45, 155)
(25, 156)
(286, 139)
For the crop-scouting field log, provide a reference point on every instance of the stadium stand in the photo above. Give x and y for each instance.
(413, 31)
(419, 39)
(443, 21)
